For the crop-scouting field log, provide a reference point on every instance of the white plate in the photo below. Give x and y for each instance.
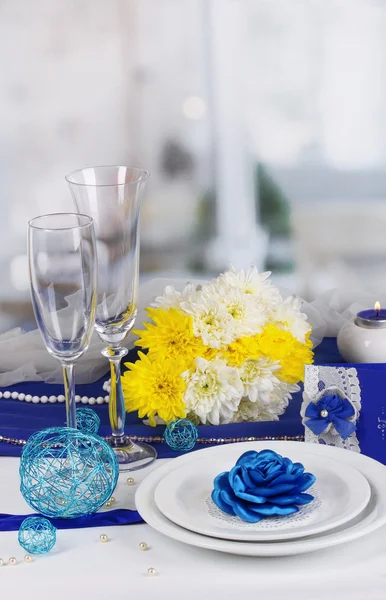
(373, 517)
(184, 497)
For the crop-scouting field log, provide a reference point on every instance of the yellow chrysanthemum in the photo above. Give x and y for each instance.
(242, 349)
(154, 388)
(281, 345)
(170, 336)
(210, 353)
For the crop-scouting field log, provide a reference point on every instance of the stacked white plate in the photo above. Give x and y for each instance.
(349, 501)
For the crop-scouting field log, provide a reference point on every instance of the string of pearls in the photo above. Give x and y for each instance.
(107, 385)
(53, 399)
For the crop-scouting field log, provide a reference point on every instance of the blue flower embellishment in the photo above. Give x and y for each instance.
(262, 484)
(328, 411)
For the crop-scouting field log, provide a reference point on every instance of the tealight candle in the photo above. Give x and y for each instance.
(363, 338)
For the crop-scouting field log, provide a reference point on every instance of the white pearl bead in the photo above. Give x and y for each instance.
(1, 394)
(143, 546)
(6, 394)
(28, 397)
(103, 538)
(35, 399)
(100, 400)
(52, 399)
(130, 481)
(84, 400)
(28, 558)
(44, 399)
(12, 561)
(61, 398)
(1, 562)
(91, 400)
(77, 398)
(14, 395)
(151, 571)
(21, 397)
(107, 398)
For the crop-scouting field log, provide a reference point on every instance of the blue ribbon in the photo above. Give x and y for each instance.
(121, 516)
(331, 410)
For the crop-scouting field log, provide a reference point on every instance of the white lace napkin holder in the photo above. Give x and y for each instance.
(323, 381)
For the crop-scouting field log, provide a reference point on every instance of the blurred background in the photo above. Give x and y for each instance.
(262, 123)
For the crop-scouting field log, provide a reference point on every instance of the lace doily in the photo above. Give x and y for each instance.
(287, 522)
(321, 381)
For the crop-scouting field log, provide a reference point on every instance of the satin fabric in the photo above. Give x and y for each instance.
(119, 516)
(262, 484)
(338, 411)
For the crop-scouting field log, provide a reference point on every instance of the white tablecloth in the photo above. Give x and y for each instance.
(80, 567)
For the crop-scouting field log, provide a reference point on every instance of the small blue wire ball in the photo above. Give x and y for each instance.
(37, 535)
(87, 420)
(181, 435)
(66, 473)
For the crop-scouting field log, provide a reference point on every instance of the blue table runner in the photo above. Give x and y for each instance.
(21, 419)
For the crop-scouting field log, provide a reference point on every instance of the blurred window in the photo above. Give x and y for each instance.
(253, 116)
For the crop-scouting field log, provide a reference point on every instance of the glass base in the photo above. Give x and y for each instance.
(132, 456)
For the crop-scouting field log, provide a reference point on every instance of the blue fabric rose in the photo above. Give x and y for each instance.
(262, 484)
(328, 411)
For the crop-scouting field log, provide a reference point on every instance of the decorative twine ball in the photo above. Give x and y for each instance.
(87, 420)
(37, 535)
(67, 473)
(181, 435)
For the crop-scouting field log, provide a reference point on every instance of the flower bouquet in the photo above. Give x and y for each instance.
(228, 351)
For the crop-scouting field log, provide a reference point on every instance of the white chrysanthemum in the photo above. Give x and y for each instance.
(213, 391)
(262, 411)
(254, 411)
(294, 321)
(211, 321)
(258, 379)
(247, 313)
(173, 299)
(254, 283)
(281, 395)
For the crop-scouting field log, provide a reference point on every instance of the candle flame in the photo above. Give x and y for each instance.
(377, 306)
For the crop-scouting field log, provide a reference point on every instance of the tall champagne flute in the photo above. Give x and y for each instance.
(111, 195)
(63, 277)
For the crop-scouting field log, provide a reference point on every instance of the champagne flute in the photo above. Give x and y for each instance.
(63, 278)
(111, 195)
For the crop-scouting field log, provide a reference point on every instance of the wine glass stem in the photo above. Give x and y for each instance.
(117, 411)
(69, 390)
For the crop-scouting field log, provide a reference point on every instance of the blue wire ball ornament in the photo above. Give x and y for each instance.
(87, 420)
(37, 535)
(66, 473)
(181, 435)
